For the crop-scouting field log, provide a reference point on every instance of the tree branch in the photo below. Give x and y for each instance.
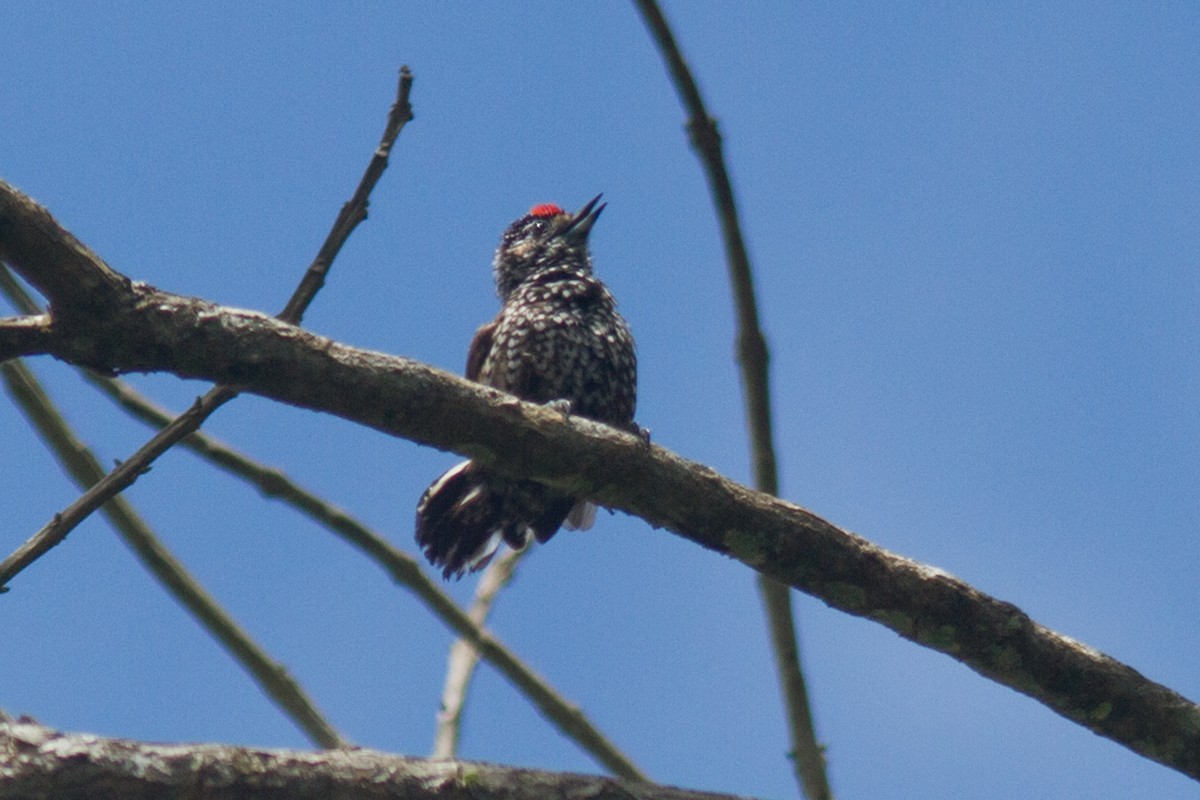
(37, 763)
(403, 569)
(464, 656)
(40, 237)
(84, 468)
(355, 209)
(24, 336)
(808, 756)
(149, 330)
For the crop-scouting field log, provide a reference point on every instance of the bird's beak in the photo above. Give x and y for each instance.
(581, 224)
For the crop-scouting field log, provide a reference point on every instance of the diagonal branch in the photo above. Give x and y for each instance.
(402, 569)
(90, 287)
(26, 335)
(355, 209)
(84, 468)
(808, 755)
(151, 330)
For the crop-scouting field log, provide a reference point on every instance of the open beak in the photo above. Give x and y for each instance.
(581, 224)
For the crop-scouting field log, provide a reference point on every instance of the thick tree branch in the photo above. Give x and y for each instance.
(150, 330)
(56, 263)
(37, 763)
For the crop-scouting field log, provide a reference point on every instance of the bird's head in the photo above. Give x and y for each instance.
(546, 238)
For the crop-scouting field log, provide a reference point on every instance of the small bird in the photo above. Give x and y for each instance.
(559, 340)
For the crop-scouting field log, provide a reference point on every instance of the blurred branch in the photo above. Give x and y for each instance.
(151, 330)
(464, 657)
(25, 336)
(81, 284)
(37, 762)
(20, 298)
(84, 468)
(405, 571)
(808, 756)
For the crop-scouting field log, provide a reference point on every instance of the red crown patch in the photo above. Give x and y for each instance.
(545, 210)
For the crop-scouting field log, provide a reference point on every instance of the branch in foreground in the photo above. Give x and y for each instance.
(37, 762)
(149, 330)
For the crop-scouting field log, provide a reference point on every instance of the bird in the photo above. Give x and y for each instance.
(557, 340)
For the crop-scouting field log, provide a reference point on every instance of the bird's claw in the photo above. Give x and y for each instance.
(562, 406)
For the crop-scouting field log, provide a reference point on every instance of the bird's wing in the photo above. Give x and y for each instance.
(481, 345)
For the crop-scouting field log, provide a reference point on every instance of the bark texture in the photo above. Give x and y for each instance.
(104, 320)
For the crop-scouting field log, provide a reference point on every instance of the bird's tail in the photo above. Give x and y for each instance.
(467, 512)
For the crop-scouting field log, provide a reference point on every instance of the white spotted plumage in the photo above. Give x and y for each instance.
(557, 339)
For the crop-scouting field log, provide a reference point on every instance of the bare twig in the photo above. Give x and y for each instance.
(355, 209)
(403, 569)
(464, 658)
(110, 485)
(129, 470)
(150, 330)
(49, 764)
(807, 754)
(84, 468)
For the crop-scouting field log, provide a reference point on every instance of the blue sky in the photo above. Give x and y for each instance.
(974, 229)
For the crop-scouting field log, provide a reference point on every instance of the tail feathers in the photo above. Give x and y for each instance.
(465, 514)
(581, 516)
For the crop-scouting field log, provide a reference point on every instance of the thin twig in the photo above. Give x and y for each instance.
(84, 468)
(753, 356)
(121, 478)
(110, 485)
(464, 657)
(403, 570)
(355, 209)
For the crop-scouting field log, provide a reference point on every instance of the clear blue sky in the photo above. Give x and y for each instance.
(975, 233)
